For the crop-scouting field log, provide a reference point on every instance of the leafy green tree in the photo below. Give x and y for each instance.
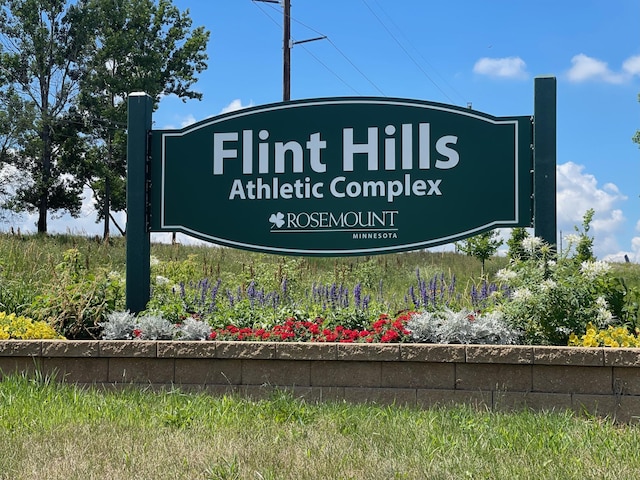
(142, 45)
(584, 248)
(44, 43)
(482, 246)
(16, 119)
(516, 250)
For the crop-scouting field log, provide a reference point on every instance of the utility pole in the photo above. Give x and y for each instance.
(286, 55)
(287, 44)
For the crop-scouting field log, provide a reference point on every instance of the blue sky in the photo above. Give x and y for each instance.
(486, 53)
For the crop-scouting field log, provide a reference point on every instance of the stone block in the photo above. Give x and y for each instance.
(439, 398)
(621, 357)
(208, 371)
(508, 354)
(588, 357)
(537, 401)
(426, 352)
(570, 379)
(376, 352)
(171, 349)
(128, 348)
(306, 351)
(77, 369)
(20, 348)
(324, 394)
(248, 350)
(496, 376)
(595, 405)
(626, 381)
(628, 410)
(19, 365)
(141, 370)
(381, 396)
(345, 374)
(70, 348)
(280, 373)
(418, 375)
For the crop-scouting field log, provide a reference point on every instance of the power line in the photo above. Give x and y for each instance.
(315, 57)
(354, 66)
(419, 53)
(407, 52)
(331, 71)
(343, 54)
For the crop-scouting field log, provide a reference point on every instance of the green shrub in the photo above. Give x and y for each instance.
(551, 296)
(77, 300)
(15, 295)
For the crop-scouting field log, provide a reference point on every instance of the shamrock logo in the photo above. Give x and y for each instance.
(277, 219)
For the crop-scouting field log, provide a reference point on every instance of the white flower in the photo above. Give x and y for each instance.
(572, 239)
(592, 270)
(160, 280)
(547, 285)
(504, 275)
(531, 244)
(153, 261)
(113, 275)
(605, 317)
(522, 294)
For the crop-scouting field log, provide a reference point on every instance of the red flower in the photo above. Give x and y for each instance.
(331, 337)
(390, 336)
(137, 333)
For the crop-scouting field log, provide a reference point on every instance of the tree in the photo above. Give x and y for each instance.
(584, 248)
(482, 246)
(16, 119)
(141, 45)
(516, 250)
(44, 43)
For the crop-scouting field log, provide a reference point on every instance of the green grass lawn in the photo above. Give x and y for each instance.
(55, 431)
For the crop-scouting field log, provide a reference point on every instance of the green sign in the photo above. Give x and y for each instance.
(342, 176)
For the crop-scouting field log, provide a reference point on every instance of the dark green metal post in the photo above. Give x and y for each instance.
(138, 239)
(544, 160)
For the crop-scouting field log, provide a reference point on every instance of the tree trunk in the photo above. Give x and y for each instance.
(43, 204)
(106, 203)
(106, 207)
(122, 232)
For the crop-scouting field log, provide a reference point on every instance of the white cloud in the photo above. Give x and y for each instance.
(188, 120)
(235, 105)
(585, 68)
(183, 121)
(577, 192)
(632, 65)
(624, 256)
(633, 255)
(509, 67)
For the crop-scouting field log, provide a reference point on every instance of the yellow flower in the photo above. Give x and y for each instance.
(24, 328)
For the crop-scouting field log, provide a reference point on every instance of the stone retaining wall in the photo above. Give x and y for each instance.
(599, 381)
